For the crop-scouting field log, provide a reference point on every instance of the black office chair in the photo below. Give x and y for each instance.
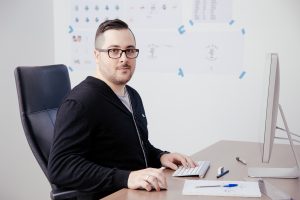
(40, 92)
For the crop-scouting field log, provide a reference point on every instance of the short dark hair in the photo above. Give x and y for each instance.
(115, 24)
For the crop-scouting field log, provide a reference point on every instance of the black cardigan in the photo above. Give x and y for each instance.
(96, 144)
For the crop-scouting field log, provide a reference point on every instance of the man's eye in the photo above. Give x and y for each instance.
(115, 50)
(130, 50)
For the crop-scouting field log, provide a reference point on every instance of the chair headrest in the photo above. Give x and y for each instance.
(42, 87)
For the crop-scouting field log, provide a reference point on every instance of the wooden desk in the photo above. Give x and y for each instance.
(223, 153)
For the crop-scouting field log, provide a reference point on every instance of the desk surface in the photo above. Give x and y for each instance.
(223, 153)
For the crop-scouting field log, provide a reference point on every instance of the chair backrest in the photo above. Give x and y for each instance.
(40, 92)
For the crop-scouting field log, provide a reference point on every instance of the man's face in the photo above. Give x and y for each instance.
(116, 71)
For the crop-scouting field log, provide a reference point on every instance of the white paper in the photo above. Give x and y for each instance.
(207, 11)
(244, 188)
(211, 52)
(154, 14)
(194, 52)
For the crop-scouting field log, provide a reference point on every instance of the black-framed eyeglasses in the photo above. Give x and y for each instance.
(117, 53)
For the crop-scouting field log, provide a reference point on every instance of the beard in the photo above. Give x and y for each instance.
(122, 75)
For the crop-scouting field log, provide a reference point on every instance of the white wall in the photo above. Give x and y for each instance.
(27, 38)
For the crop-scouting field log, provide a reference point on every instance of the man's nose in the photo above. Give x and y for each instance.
(123, 57)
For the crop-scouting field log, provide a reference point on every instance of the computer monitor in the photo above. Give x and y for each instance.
(272, 64)
(272, 106)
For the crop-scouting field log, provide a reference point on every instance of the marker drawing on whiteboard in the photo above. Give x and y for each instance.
(191, 22)
(243, 31)
(180, 72)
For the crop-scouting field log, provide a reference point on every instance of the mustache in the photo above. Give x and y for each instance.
(124, 66)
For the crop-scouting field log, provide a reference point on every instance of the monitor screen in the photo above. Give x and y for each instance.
(272, 64)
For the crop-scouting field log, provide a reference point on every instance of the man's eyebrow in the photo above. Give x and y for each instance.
(114, 46)
(130, 46)
(117, 46)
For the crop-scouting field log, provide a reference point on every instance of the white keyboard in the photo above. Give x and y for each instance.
(199, 170)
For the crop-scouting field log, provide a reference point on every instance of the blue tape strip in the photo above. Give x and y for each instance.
(181, 29)
(242, 74)
(70, 29)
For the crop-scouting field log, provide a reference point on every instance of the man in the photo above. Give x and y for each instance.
(101, 139)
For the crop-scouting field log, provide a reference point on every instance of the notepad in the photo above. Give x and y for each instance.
(244, 188)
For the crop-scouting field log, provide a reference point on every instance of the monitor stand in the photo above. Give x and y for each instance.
(278, 172)
(273, 172)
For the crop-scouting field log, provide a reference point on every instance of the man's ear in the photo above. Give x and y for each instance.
(96, 55)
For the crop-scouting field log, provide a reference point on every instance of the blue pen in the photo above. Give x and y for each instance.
(227, 185)
(230, 185)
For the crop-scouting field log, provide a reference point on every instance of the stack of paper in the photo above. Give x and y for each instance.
(216, 188)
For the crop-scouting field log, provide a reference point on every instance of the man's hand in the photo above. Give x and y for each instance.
(171, 160)
(147, 178)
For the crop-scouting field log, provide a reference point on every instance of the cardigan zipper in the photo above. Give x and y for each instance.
(141, 141)
(138, 132)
